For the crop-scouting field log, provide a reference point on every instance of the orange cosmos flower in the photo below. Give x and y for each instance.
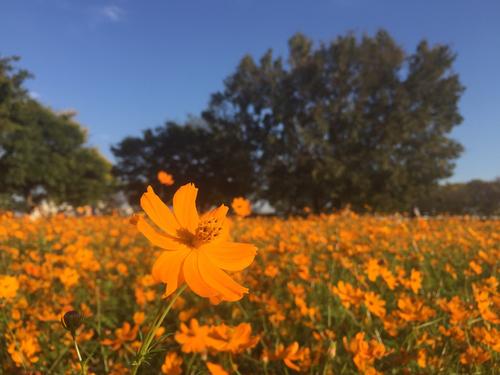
(139, 318)
(388, 277)
(125, 334)
(232, 339)
(373, 269)
(241, 206)
(365, 352)
(490, 337)
(415, 280)
(291, 354)
(422, 358)
(8, 287)
(486, 304)
(348, 294)
(375, 304)
(172, 364)
(193, 339)
(23, 347)
(165, 178)
(474, 355)
(216, 369)
(457, 309)
(412, 309)
(197, 248)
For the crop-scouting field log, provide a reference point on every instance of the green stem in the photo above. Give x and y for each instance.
(98, 301)
(146, 344)
(243, 310)
(190, 363)
(58, 360)
(83, 366)
(233, 366)
(77, 350)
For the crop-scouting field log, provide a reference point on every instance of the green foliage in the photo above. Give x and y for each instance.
(358, 122)
(472, 198)
(42, 153)
(191, 153)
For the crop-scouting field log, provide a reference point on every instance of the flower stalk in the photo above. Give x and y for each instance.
(71, 321)
(83, 365)
(148, 340)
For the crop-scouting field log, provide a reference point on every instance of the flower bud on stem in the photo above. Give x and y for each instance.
(71, 321)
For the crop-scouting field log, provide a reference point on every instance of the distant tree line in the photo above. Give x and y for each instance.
(43, 153)
(356, 121)
(472, 198)
(221, 167)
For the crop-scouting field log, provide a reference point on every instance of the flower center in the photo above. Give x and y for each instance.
(208, 230)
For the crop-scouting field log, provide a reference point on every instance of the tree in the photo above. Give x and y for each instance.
(354, 121)
(42, 153)
(475, 197)
(191, 153)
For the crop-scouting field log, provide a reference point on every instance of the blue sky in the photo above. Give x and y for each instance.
(127, 65)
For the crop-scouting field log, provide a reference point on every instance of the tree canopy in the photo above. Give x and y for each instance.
(191, 152)
(475, 197)
(355, 121)
(43, 153)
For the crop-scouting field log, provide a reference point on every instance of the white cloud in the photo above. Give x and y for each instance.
(112, 12)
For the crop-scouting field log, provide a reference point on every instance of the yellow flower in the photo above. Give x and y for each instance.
(375, 304)
(165, 178)
(293, 354)
(412, 309)
(139, 318)
(172, 364)
(216, 369)
(123, 335)
(232, 339)
(415, 280)
(69, 277)
(197, 248)
(474, 355)
(241, 206)
(8, 287)
(365, 352)
(193, 339)
(348, 294)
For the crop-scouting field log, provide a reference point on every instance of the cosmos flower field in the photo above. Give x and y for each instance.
(329, 294)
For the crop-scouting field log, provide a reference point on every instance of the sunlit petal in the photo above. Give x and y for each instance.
(193, 277)
(157, 239)
(218, 213)
(158, 212)
(167, 268)
(185, 207)
(219, 280)
(231, 256)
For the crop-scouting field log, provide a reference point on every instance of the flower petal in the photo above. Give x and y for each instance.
(216, 369)
(219, 280)
(158, 212)
(157, 239)
(218, 213)
(185, 207)
(193, 277)
(230, 256)
(167, 268)
(291, 365)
